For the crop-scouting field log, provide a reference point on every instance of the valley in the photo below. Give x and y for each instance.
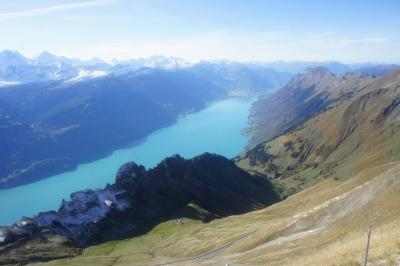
(80, 122)
(302, 163)
(329, 205)
(96, 114)
(199, 133)
(215, 129)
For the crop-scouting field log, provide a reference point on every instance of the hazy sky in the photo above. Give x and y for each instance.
(264, 30)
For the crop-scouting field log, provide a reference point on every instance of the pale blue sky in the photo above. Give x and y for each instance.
(245, 30)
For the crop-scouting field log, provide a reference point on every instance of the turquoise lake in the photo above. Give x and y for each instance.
(215, 129)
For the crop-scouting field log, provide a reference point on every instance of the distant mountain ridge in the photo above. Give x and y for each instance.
(336, 67)
(16, 68)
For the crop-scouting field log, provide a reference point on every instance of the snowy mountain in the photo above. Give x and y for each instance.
(18, 69)
(155, 62)
(12, 58)
(46, 58)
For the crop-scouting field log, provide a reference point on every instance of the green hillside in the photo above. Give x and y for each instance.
(349, 136)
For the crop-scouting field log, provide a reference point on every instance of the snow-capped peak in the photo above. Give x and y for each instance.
(14, 67)
(12, 58)
(156, 61)
(47, 58)
(87, 74)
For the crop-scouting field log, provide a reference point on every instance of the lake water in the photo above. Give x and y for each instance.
(215, 129)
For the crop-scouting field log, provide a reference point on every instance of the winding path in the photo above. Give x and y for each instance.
(212, 253)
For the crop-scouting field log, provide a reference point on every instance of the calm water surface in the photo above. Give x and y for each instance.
(215, 129)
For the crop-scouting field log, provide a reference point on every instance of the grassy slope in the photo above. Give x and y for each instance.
(306, 95)
(323, 225)
(339, 142)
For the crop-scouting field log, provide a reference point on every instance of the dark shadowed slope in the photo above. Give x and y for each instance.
(205, 187)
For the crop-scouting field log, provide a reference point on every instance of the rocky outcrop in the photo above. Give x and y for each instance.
(139, 200)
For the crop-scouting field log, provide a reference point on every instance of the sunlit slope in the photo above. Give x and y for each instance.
(306, 95)
(326, 224)
(356, 133)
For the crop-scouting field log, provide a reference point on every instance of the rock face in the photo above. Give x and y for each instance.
(139, 200)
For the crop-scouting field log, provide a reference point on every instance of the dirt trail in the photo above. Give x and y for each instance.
(212, 253)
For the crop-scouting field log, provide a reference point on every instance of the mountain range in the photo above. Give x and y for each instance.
(325, 145)
(16, 69)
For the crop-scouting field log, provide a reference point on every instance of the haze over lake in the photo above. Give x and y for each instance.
(216, 129)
